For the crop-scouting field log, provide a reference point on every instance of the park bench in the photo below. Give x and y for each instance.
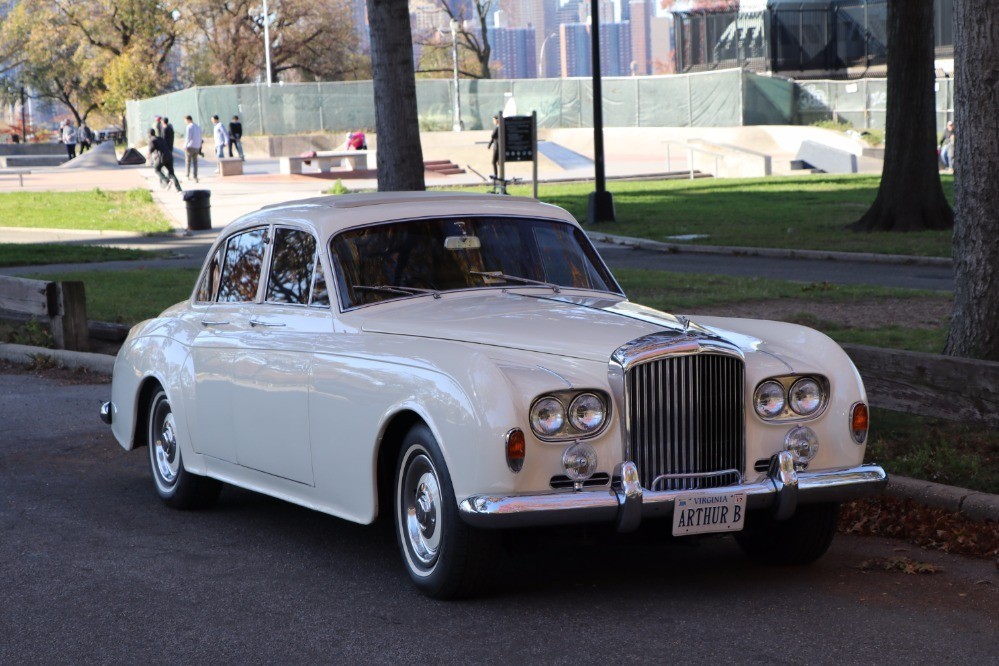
(20, 173)
(62, 304)
(326, 160)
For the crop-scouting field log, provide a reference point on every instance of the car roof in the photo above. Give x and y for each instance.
(329, 214)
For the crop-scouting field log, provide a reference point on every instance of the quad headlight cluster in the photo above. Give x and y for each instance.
(569, 415)
(791, 397)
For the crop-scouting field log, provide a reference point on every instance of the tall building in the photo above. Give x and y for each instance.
(539, 16)
(641, 14)
(615, 49)
(513, 49)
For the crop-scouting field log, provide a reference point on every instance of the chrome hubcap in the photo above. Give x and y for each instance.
(165, 449)
(421, 505)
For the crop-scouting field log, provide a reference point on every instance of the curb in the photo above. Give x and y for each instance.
(99, 363)
(971, 504)
(778, 253)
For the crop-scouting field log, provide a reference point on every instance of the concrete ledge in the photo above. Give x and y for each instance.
(230, 166)
(971, 504)
(99, 363)
(827, 158)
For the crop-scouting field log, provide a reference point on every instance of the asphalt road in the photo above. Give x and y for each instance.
(95, 570)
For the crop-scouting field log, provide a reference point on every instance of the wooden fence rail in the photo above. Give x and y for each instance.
(947, 387)
(62, 304)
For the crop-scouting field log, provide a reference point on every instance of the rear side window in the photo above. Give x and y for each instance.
(293, 263)
(241, 266)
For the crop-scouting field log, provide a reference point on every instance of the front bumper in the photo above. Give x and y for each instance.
(781, 490)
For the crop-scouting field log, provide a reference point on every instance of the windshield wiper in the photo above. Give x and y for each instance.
(409, 291)
(515, 278)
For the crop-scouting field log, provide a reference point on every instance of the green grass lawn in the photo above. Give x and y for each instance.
(129, 296)
(95, 210)
(34, 254)
(807, 212)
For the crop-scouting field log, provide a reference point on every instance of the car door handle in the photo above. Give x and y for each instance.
(206, 324)
(254, 322)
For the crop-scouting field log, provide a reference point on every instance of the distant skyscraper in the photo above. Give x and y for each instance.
(641, 13)
(615, 49)
(514, 50)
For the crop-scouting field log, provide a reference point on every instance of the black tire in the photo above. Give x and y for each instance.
(177, 487)
(802, 539)
(445, 558)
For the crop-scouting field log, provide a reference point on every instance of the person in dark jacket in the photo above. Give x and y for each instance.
(494, 144)
(235, 137)
(168, 138)
(159, 162)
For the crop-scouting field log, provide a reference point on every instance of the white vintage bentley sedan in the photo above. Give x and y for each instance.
(462, 363)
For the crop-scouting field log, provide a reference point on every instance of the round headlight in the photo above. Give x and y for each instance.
(579, 461)
(587, 412)
(802, 443)
(805, 396)
(547, 417)
(769, 399)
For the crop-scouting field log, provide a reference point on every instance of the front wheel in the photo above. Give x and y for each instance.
(444, 557)
(802, 539)
(177, 487)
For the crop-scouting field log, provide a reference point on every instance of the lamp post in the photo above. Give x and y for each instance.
(267, 42)
(541, 54)
(457, 93)
(601, 203)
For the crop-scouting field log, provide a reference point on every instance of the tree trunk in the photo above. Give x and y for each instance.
(974, 330)
(400, 155)
(910, 197)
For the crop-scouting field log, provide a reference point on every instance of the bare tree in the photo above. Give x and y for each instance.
(910, 197)
(475, 42)
(974, 330)
(400, 154)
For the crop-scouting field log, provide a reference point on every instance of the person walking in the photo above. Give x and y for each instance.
(221, 138)
(168, 140)
(947, 147)
(494, 144)
(69, 138)
(158, 160)
(84, 136)
(192, 147)
(235, 137)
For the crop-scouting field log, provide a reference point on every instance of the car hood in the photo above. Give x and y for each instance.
(584, 327)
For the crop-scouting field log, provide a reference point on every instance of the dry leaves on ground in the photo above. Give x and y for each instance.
(922, 525)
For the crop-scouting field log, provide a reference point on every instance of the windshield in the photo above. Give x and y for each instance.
(420, 257)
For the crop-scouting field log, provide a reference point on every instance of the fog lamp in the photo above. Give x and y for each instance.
(579, 462)
(802, 443)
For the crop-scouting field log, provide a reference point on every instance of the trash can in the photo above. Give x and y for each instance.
(199, 209)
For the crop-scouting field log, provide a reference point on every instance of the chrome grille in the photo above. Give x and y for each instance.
(686, 417)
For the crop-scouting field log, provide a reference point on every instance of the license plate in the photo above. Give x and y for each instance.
(701, 513)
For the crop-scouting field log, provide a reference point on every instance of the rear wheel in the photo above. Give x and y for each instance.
(444, 557)
(177, 487)
(802, 539)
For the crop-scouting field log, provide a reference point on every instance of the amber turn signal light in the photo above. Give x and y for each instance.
(859, 421)
(516, 449)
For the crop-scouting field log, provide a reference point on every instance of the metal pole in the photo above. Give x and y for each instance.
(601, 206)
(24, 123)
(267, 42)
(534, 149)
(457, 127)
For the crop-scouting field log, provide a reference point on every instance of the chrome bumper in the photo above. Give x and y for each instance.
(781, 490)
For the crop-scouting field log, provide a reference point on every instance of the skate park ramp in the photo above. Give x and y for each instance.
(101, 156)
